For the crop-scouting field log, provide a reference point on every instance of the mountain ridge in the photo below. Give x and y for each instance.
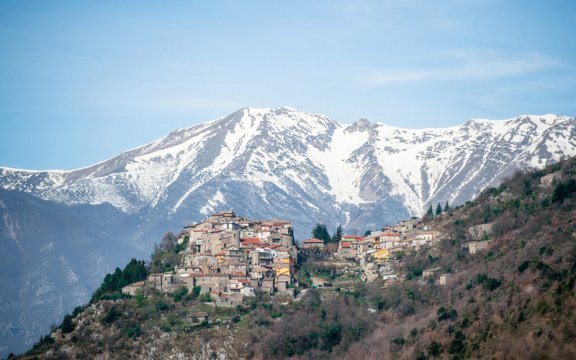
(51, 184)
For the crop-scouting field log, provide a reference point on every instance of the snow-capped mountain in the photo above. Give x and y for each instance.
(281, 161)
(263, 163)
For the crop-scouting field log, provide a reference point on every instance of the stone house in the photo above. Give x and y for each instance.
(268, 285)
(282, 282)
(388, 240)
(476, 246)
(162, 282)
(312, 243)
(134, 288)
(346, 251)
(443, 279)
(430, 273)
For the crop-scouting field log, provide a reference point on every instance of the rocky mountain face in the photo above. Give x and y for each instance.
(53, 257)
(264, 163)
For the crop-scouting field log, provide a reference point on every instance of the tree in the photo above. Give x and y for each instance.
(438, 209)
(67, 326)
(434, 349)
(113, 283)
(134, 271)
(564, 190)
(320, 232)
(337, 235)
(430, 212)
(165, 255)
(446, 207)
(169, 241)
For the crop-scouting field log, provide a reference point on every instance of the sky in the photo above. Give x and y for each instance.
(82, 81)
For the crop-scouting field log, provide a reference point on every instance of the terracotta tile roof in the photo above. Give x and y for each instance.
(389, 233)
(313, 241)
(352, 237)
(251, 241)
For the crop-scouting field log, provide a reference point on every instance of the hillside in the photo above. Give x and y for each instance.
(513, 299)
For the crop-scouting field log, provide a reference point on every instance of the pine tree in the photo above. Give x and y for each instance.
(438, 209)
(446, 207)
(430, 212)
(337, 235)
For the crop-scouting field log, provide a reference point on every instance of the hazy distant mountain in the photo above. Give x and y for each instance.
(266, 163)
(53, 257)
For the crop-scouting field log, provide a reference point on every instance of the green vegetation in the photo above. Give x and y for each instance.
(167, 255)
(337, 235)
(320, 232)
(438, 209)
(564, 190)
(113, 283)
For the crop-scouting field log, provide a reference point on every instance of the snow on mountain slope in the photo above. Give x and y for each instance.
(311, 159)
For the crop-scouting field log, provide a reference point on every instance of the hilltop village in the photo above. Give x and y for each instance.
(230, 257)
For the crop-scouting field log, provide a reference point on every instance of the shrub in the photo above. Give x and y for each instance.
(457, 345)
(180, 293)
(486, 281)
(564, 190)
(111, 315)
(434, 349)
(161, 305)
(446, 314)
(133, 332)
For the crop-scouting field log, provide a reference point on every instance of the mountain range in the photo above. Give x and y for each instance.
(63, 230)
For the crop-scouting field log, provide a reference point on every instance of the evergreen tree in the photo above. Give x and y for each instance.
(446, 207)
(430, 212)
(438, 209)
(320, 232)
(563, 191)
(67, 326)
(337, 235)
(113, 283)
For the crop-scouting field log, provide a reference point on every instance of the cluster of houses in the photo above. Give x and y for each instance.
(372, 251)
(230, 257)
(381, 245)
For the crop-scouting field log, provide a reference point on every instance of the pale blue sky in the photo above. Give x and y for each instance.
(81, 81)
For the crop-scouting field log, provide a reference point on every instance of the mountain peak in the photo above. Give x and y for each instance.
(360, 125)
